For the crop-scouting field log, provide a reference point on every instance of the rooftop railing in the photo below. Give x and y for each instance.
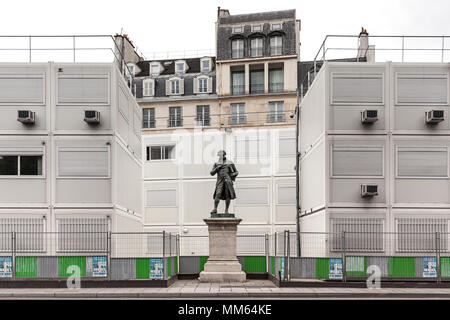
(379, 48)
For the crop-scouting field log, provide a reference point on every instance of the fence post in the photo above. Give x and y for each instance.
(266, 245)
(438, 257)
(13, 254)
(344, 262)
(288, 254)
(178, 252)
(163, 252)
(275, 245)
(108, 247)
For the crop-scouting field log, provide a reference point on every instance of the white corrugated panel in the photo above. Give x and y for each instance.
(422, 89)
(29, 234)
(83, 89)
(353, 88)
(419, 234)
(357, 162)
(162, 198)
(286, 195)
(257, 195)
(22, 89)
(422, 162)
(361, 234)
(83, 163)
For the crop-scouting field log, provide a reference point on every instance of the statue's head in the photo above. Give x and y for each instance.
(222, 154)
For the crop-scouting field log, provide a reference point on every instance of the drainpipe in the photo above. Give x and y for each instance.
(297, 172)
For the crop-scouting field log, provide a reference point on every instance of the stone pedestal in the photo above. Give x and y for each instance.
(222, 264)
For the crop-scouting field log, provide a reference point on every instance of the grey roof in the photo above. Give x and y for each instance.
(260, 16)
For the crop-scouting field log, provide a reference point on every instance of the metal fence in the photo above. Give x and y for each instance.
(344, 255)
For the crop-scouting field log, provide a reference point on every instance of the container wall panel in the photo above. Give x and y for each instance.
(123, 268)
(303, 268)
(402, 267)
(189, 265)
(380, 262)
(26, 267)
(47, 267)
(65, 262)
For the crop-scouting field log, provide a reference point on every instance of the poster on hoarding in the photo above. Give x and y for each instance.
(429, 267)
(5, 267)
(335, 270)
(156, 268)
(282, 267)
(99, 266)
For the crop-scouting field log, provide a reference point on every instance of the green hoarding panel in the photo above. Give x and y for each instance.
(202, 262)
(142, 268)
(66, 262)
(272, 266)
(355, 266)
(255, 264)
(445, 267)
(322, 268)
(26, 267)
(175, 265)
(401, 267)
(169, 267)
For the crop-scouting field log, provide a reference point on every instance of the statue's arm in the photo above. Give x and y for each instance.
(234, 171)
(214, 169)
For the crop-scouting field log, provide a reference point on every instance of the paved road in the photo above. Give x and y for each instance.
(260, 289)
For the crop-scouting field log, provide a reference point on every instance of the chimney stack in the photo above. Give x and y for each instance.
(222, 12)
(364, 50)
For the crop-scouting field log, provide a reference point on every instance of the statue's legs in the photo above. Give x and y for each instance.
(227, 205)
(216, 204)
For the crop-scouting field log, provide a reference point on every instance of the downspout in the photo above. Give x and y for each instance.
(297, 171)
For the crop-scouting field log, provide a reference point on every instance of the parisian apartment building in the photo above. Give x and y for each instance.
(240, 100)
(70, 149)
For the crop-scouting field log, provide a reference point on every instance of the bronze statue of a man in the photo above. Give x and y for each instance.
(226, 175)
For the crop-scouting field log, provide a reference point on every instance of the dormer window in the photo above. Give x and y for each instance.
(205, 65)
(275, 26)
(238, 29)
(180, 67)
(154, 69)
(174, 86)
(148, 87)
(257, 28)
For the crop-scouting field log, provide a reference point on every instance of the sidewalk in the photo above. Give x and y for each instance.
(259, 289)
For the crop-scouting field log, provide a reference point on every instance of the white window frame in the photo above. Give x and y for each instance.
(257, 48)
(209, 65)
(162, 151)
(149, 118)
(83, 149)
(238, 113)
(266, 204)
(151, 83)
(164, 189)
(351, 75)
(361, 149)
(274, 24)
(277, 45)
(199, 79)
(180, 62)
(24, 151)
(255, 26)
(423, 149)
(84, 76)
(427, 76)
(238, 29)
(278, 192)
(154, 64)
(172, 84)
(240, 48)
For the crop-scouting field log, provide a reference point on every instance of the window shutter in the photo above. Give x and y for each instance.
(357, 162)
(148, 88)
(196, 80)
(167, 87)
(80, 163)
(181, 86)
(152, 87)
(209, 85)
(421, 162)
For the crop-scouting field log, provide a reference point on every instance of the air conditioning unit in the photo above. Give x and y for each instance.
(92, 116)
(434, 116)
(369, 190)
(369, 116)
(25, 116)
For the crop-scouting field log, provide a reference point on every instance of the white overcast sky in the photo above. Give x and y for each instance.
(169, 25)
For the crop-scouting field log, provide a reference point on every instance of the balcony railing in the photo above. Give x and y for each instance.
(203, 121)
(273, 117)
(238, 89)
(237, 119)
(257, 88)
(275, 87)
(175, 122)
